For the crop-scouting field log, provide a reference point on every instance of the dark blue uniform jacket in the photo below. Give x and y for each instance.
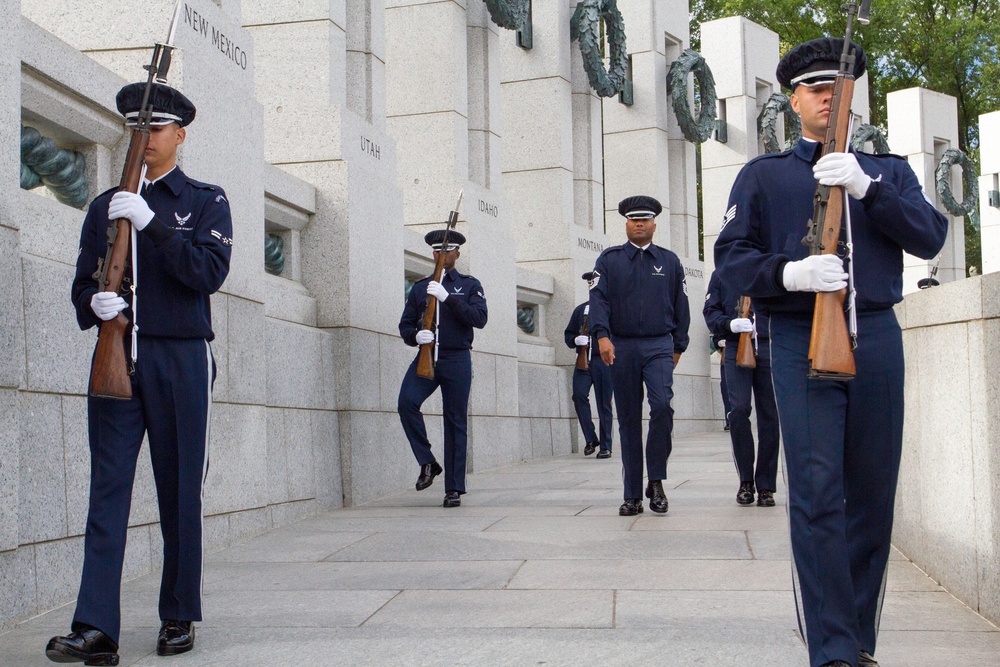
(184, 257)
(464, 309)
(636, 296)
(771, 202)
(720, 310)
(573, 330)
(574, 326)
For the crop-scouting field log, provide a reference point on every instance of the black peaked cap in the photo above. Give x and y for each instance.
(817, 55)
(639, 203)
(163, 100)
(436, 238)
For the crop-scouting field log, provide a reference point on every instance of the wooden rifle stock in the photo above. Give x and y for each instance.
(831, 353)
(110, 376)
(583, 351)
(425, 358)
(745, 357)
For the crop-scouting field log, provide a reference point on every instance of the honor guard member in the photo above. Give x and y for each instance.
(184, 233)
(842, 439)
(720, 308)
(598, 375)
(461, 308)
(639, 317)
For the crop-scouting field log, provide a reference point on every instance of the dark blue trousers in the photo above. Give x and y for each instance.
(171, 403)
(742, 382)
(453, 373)
(598, 376)
(724, 385)
(638, 362)
(842, 443)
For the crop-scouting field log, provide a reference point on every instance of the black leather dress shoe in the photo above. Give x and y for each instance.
(589, 449)
(866, 660)
(604, 454)
(427, 474)
(88, 645)
(745, 495)
(837, 663)
(765, 499)
(452, 499)
(726, 426)
(657, 498)
(175, 637)
(630, 507)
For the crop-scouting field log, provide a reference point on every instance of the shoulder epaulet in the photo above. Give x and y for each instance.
(614, 248)
(765, 156)
(203, 186)
(881, 155)
(107, 192)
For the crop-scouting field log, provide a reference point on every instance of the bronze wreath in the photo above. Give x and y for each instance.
(585, 26)
(61, 171)
(942, 182)
(767, 123)
(695, 131)
(510, 14)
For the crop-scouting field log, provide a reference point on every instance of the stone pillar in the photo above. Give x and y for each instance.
(743, 57)
(443, 109)
(989, 181)
(552, 175)
(17, 564)
(923, 124)
(646, 153)
(326, 125)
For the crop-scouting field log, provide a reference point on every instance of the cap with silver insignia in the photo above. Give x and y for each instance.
(167, 105)
(435, 238)
(639, 207)
(816, 63)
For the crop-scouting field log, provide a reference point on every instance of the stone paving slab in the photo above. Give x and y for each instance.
(428, 575)
(535, 568)
(649, 575)
(289, 544)
(539, 545)
(498, 609)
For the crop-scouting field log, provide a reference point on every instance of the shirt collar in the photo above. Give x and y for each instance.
(631, 249)
(806, 149)
(173, 179)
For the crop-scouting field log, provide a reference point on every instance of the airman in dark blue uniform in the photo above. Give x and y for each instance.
(842, 439)
(639, 317)
(184, 233)
(724, 322)
(598, 375)
(461, 308)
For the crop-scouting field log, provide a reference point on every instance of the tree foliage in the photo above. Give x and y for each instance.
(949, 46)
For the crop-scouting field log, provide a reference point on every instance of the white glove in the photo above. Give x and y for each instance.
(816, 273)
(437, 290)
(722, 343)
(741, 325)
(581, 341)
(132, 206)
(843, 169)
(106, 305)
(424, 336)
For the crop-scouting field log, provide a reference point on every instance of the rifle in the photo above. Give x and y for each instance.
(831, 355)
(110, 375)
(583, 351)
(425, 358)
(744, 351)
